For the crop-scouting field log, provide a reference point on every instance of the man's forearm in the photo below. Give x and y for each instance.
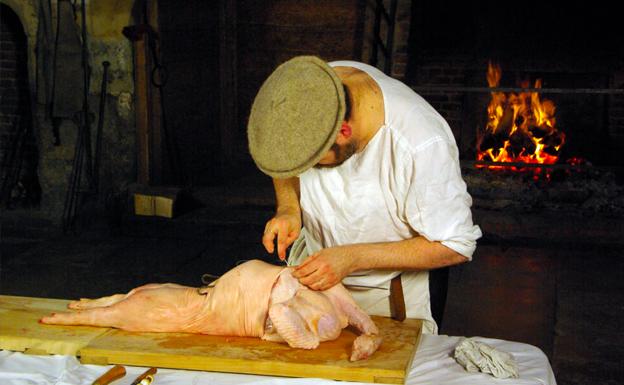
(287, 195)
(412, 254)
(329, 266)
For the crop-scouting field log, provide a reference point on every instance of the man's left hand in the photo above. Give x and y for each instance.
(326, 268)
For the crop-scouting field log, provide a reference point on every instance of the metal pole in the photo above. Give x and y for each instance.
(86, 124)
(444, 89)
(100, 127)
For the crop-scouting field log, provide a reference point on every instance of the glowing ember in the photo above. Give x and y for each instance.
(520, 128)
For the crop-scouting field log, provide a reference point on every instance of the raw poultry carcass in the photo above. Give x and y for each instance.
(255, 299)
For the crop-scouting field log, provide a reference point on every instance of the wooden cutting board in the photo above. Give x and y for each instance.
(390, 364)
(21, 331)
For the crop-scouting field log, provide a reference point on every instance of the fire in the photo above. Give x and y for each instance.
(521, 128)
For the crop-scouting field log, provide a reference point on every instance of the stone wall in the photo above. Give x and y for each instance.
(447, 73)
(105, 21)
(18, 155)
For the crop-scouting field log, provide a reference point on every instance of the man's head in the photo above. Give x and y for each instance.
(296, 120)
(346, 143)
(344, 148)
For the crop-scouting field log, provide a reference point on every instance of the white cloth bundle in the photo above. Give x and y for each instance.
(477, 356)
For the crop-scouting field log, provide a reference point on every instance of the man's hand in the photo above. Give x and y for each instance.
(286, 226)
(326, 268)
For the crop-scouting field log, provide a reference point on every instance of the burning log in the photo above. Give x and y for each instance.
(539, 131)
(495, 138)
(553, 142)
(520, 144)
(491, 142)
(520, 128)
(506, 123)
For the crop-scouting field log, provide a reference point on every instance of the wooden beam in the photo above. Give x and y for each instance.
(138, 37)
(149, 135)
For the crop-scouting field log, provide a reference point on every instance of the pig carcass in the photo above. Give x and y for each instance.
(255, 299)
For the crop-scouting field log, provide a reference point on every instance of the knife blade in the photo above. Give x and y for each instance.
(148, 373)
(111, 375)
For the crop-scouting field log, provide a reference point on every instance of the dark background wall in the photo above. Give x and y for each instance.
(551, 32)
(266, 34)
(190, 52)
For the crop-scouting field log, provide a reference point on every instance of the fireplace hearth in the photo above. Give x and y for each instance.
(583, 190)
(583, 177)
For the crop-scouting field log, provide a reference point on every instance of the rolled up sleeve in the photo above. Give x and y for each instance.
(437, 205)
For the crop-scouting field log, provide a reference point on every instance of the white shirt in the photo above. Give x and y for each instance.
(405, 183)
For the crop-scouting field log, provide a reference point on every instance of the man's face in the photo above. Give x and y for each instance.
(337, 155)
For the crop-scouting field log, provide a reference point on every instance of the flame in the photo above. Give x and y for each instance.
(521, 128)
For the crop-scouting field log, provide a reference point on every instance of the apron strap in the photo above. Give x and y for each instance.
(397, 302)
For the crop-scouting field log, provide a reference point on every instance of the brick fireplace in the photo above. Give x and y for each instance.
(578, 56)
(591, 117)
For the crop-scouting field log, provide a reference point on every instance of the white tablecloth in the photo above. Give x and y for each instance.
(433, 364)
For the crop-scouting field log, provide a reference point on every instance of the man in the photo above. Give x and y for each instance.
(371, 170)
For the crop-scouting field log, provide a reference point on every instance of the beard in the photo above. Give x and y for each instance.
(341, 154)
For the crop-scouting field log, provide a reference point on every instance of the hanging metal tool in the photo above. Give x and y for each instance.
(100, 127)
(69, 209)
(158, 79)
(71, 197)
(86, 119)
(67, 97)
(82, 150)
(74, 198)
(12, 162)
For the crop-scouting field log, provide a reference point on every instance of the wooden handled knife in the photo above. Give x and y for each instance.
(114, 373)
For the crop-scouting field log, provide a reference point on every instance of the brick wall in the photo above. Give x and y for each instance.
(401, 39)
(616, 108)
(15, 102)
(444, 72)
(12, 76)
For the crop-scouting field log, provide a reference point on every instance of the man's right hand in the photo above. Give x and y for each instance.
(286, 226)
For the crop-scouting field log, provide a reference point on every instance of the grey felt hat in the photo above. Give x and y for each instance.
(295, 117)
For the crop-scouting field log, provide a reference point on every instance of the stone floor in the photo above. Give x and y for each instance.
(563, 294)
